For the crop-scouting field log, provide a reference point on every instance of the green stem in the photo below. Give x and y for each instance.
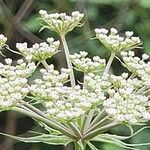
(75, 130)
(69, 64)
(100, 116)
(98, 124)
(79, 145)
(100, 130)
(109, 62)
(46, 121)
(39, 112)
(45, 64)
(88, 120)
(85, 74)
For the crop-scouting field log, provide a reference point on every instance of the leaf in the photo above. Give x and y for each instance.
(108, 139)
(44, 138)
(127, 137)
(108, 146)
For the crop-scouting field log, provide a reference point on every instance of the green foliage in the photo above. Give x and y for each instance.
(43, 138)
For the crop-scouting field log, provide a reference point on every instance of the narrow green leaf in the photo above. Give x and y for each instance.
(112, 140)
(44, 138)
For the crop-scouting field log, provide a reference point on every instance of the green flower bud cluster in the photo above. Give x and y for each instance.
(39, 52)
(88, 65)
(61, 23)
(116, 43)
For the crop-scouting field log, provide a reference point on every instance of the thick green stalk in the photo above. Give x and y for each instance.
(79, 145)
(100, 116)
(39, 112)
(69, 64)
(100, 130)
(45, 64)
(75, 130)
(88, 120)
(109, 62)
(45, 120)
(98, 124)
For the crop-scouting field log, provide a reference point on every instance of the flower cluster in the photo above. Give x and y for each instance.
(66, 103)
(12, 90)
(61, 23)
(139, 67)
(97, 83)
(51, 78)
(116, 43)
(3, 40)
(125, 103)
(39, 52)
(21, 70)
(87, 65)
(13, 82)
(60, 101)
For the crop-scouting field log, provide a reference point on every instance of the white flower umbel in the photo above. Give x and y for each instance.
(12, 90)
(22, 69)
(39, 52)
(116, 43)
(3, 40)
(61, 23)
(65, 103)
(139, 67)
(125, 104)
(88, 65)
(51, 77)
(97, 83)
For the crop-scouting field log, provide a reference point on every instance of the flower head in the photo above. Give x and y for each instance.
(125, 103)
(116, 43)
(22, 69)
(87, 65)
(62, 102)
(39, 52)
(61, 22)
(12, 90)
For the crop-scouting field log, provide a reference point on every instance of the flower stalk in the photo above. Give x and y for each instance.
(69, 64)
(109, 62)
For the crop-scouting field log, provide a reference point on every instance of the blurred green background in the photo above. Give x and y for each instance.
(18, 21)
